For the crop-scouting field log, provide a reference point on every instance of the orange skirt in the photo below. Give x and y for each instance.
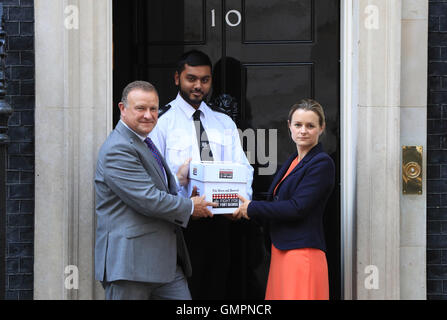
(298, 274)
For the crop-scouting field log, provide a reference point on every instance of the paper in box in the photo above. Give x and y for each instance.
(220, 182)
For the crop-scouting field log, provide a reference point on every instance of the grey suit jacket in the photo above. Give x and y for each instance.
(138, 234)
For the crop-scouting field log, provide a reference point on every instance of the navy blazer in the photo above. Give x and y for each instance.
(296, 211)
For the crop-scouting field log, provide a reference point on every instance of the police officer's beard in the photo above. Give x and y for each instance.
(194, 102)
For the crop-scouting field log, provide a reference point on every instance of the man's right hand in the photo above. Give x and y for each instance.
(200, 207)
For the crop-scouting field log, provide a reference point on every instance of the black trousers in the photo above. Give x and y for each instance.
(229, 259)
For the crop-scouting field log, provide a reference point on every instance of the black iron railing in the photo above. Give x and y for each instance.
(5, 113)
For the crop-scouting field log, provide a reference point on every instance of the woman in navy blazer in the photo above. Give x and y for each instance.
(298, 196)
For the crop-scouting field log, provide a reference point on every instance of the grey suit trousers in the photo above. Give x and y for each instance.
(132, 290)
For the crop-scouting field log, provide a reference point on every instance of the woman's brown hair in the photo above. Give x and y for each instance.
(309, 105)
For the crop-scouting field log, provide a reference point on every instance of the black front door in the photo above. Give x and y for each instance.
(267, 55)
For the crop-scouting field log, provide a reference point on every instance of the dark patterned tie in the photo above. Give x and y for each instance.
(202, 139)
(154, 151)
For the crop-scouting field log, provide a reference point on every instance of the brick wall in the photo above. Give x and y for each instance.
(19, 25)
(437, 153)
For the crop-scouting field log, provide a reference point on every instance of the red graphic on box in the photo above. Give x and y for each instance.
(223, 174)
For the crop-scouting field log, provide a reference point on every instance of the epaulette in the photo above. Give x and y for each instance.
(163, 110)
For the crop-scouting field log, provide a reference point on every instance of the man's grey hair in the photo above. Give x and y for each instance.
(141, 85)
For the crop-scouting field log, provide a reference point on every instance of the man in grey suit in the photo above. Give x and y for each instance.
(140, 251)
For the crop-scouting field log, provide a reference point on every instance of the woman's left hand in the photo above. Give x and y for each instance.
(241, 212)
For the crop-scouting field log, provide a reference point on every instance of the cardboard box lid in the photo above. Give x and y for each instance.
(218, 171)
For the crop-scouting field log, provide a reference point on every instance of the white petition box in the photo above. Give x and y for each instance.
(220, 182)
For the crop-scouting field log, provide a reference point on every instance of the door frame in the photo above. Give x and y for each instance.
(348, 138)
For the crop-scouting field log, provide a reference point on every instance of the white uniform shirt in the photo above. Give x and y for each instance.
(175, 137)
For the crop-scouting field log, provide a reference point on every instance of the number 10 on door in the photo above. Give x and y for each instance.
(229, 18)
